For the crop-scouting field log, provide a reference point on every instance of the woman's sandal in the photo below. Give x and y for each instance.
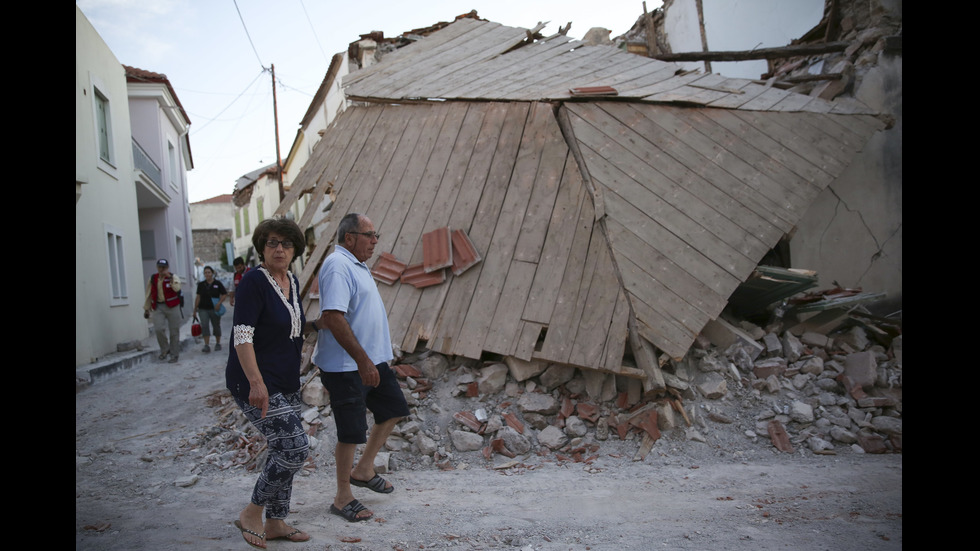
(238, 524)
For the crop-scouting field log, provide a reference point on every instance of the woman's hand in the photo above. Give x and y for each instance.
(258, 396)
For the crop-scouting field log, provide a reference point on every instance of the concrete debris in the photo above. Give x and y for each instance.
(788, 393)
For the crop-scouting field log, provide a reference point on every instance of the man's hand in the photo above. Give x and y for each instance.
(369, 374)
(146, 314)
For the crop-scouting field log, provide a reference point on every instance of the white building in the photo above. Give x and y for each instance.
(131, 158)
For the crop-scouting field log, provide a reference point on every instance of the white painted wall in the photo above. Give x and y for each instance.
(739, 25)
(105, 200)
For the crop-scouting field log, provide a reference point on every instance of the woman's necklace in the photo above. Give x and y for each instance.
(282, 289)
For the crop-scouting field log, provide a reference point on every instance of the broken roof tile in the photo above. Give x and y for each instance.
(594, 91)
(417, 276)
(464, 252)
(437, 249)
(388, 269)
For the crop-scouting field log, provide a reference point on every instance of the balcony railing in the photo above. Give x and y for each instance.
(143, 162)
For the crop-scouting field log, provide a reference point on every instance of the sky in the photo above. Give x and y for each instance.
(218, 54)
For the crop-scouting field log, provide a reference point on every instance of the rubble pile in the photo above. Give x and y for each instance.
(773, 389)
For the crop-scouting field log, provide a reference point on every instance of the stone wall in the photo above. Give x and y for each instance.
(209, 245)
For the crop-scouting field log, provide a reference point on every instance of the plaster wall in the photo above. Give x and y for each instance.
(852, 233)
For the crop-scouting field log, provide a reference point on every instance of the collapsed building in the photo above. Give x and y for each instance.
(549, 203)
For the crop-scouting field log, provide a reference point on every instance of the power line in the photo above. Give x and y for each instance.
(315, 37)
(238, 97)
(248, 35)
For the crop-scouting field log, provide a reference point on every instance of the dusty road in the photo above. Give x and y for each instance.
(131, 448)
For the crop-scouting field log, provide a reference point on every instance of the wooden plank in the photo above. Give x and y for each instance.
(432, 83)
(769, 176)
(816, 147)
(776, 150)
(645, 357)
(485, 218)
(533, 79)
(615, 347)
(708, 153)
(568, 74)
(657, 267)
(661, 297)
(503, 67)
(410, 207)
(504, 331)
(506, 231)
(385, 83)
(564, 318)
(565, 222)
(691, 222)
(661, 330)
(745, 207)
(544, 192)
(528, 339)
(396, 60)
(441, 184)
(693, 261)
(597, 311)
(493, 136)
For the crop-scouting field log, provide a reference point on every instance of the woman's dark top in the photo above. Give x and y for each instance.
(209, 291)
(273, 323)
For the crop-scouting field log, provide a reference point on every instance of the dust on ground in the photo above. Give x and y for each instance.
(141, 482)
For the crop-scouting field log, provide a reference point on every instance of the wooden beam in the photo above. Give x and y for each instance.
(760, 53)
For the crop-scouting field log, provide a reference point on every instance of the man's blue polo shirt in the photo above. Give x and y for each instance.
(347, 285)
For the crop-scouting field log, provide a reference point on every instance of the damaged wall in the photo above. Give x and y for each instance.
(864, 206)
(852, 233)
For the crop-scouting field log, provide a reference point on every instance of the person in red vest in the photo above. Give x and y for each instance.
(163, 298)
(240, 269)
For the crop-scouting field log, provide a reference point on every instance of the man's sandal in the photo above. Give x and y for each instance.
(350, 511)
(376, 484)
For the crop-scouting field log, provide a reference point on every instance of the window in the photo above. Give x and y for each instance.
(260, 207)
(102, 126)
(173, 163)
(118, 290)
(148, 244)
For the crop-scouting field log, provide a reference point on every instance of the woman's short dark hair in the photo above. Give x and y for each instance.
(288, 229)
(208, 268)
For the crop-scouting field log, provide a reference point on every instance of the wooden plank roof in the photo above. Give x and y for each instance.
(602, 225)
(482, 60)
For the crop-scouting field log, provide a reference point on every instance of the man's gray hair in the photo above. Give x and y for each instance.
(350, 222)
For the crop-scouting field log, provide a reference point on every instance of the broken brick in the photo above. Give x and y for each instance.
(871, 443)
(469, 420)
(497, 445)
(648, 422)
(513, 422)
(407, 370)
(567, 408)
(779, 436)
(588, 412)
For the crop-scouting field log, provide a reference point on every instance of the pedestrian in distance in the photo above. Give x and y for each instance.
(263, 376)
(163, 300)
(208, 292)
(240, 269)
(353, 356)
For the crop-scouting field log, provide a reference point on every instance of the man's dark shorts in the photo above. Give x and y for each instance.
(350, 400)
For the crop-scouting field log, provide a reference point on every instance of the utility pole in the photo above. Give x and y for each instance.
(275, 114)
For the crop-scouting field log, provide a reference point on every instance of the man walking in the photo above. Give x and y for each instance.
(353, 351)
(163, 298)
